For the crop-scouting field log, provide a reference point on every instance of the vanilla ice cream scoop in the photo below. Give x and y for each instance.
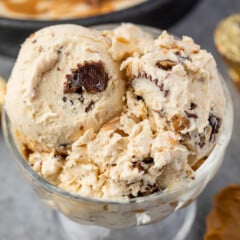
(64, 82)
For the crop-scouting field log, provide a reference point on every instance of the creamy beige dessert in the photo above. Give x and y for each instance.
(114, 114)
(61, 9)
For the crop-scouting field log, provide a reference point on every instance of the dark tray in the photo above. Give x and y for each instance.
(158, 13)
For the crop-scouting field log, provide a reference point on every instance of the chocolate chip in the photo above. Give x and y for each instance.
(151, 189)
(202, 141)
(193, 105)
(34, 41)
(139, 98)
(58, 69)
(166, 64)
(140, 194)
(190, 115)
(161, 112)
(215, 122)
(64, 98)
(71, 101)
(26, 151)
(81, 99)
(179, 122)
(138, 165)
(161, 87)
(90, 106)
(89, 76)
(166, 92)
(114, 165)
(131, 196)
(148, 160)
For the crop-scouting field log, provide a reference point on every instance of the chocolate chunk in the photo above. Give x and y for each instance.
(179, 122)
(166, 64)
(190, 115)
(89, 106)
(131, 196)
(166, 92)
(193, 105)
(148, 160)
(139, 98)
(138, 165)
(161, 112)
(161, 87)
(26, 151)
(151, 189)
(89, 76)
(139, 194)
(215, 122)
(81, 99)
(202, 141)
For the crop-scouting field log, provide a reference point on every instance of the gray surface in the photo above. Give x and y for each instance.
(23, 216)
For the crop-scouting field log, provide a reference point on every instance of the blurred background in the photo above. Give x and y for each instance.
(19, 19)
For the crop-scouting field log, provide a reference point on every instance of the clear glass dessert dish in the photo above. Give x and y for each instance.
(103, 219)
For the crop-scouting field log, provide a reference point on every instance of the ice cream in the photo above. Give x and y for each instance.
(180, 86)
(114, 114)
(64, 82)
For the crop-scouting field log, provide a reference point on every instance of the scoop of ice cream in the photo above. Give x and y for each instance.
(180, 85)
(64, 82)
(127, 40)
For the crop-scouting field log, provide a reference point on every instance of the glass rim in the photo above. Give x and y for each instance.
(200, 173)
